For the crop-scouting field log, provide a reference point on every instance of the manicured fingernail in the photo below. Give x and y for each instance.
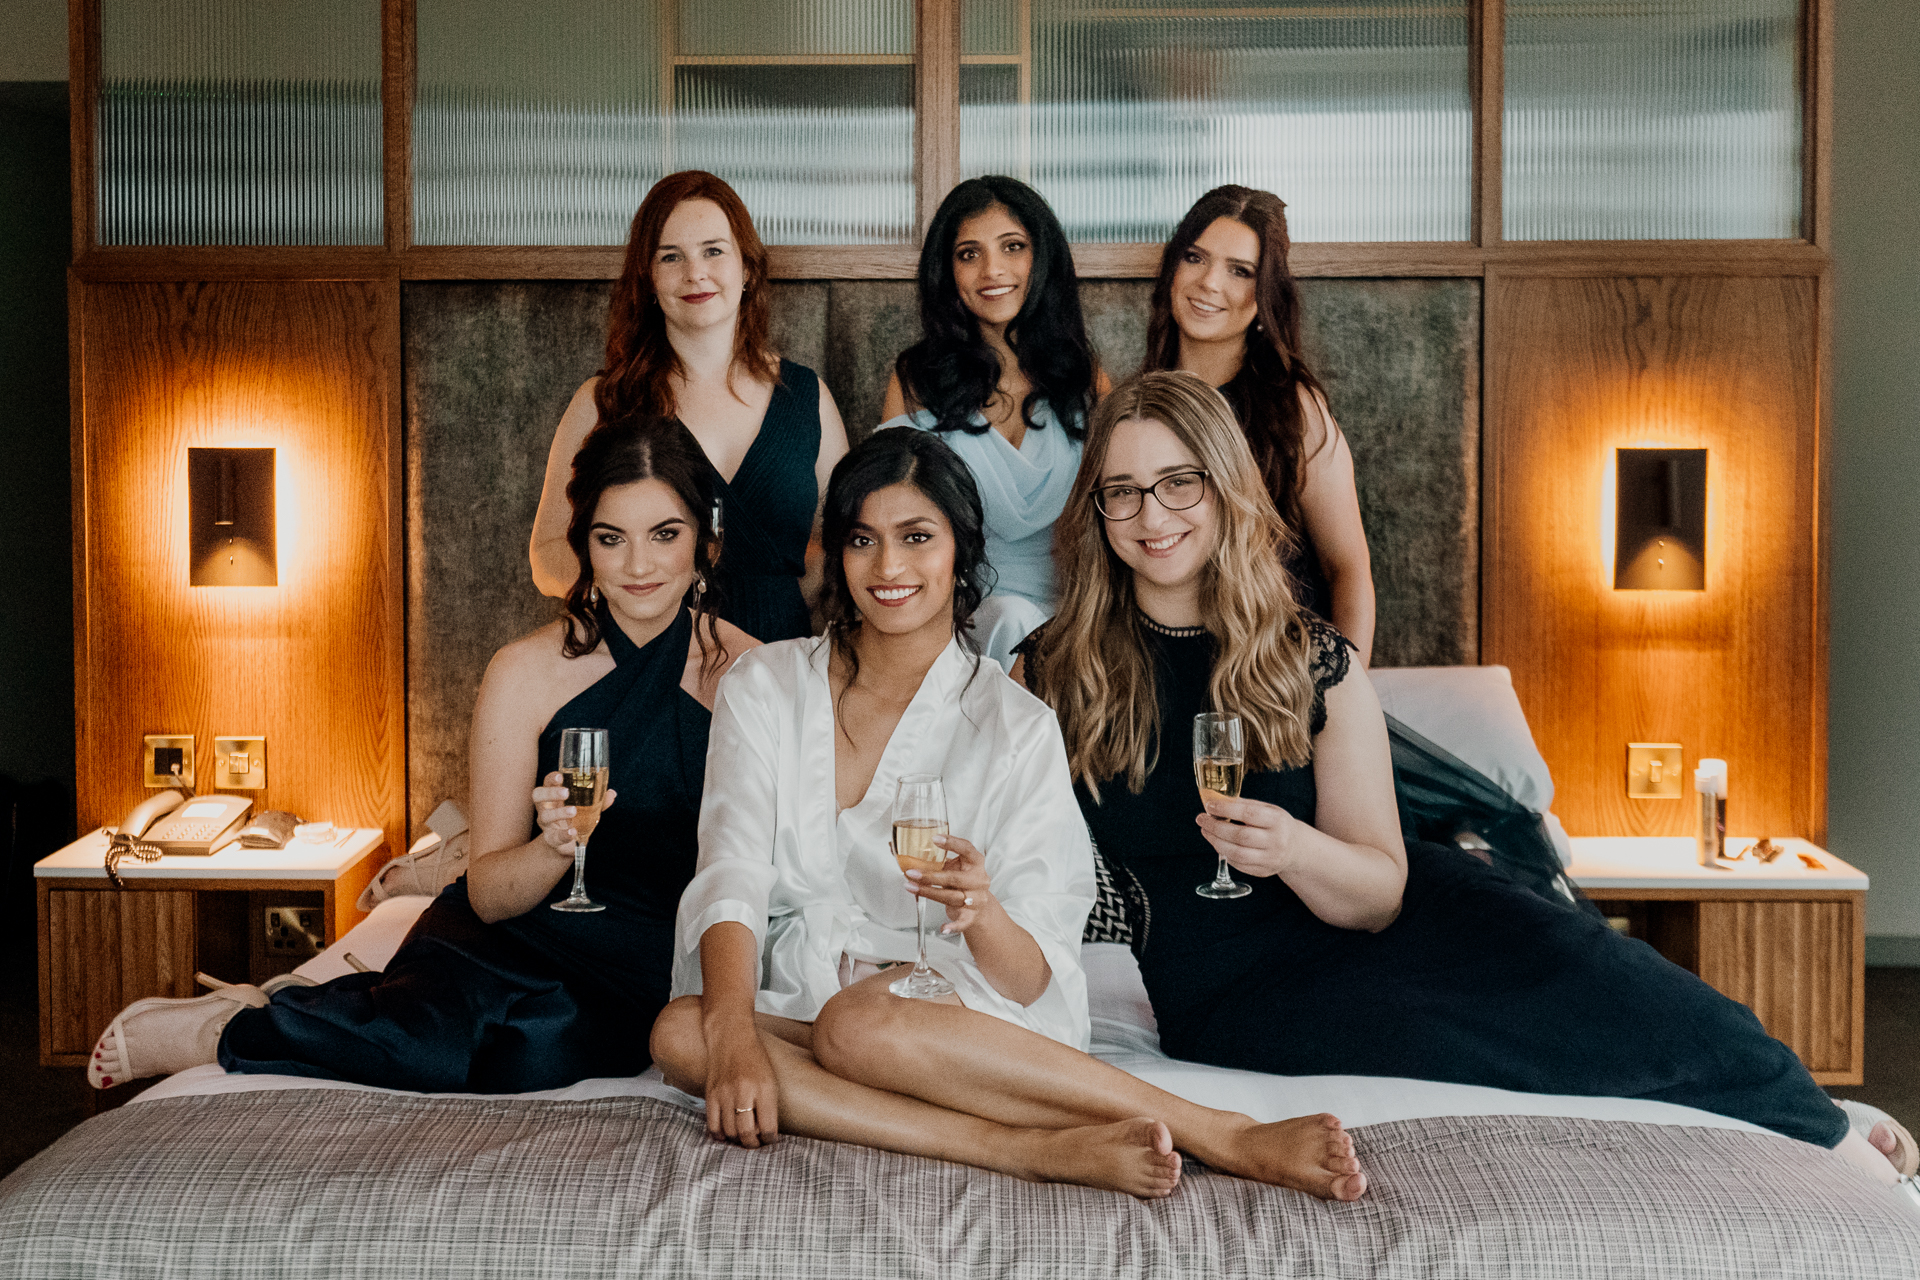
(913, 875)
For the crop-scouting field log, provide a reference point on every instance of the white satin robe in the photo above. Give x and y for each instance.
(813, 884)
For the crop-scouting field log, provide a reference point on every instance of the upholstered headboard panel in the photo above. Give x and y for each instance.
(491, 365)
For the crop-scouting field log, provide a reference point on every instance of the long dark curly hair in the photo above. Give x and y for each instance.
(1265, 394)
(952, 370)
(902, 455)
(626, 450)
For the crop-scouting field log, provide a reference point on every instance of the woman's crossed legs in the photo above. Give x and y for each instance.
(933, 1078)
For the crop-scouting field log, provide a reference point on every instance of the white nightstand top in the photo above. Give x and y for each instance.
(84, 859)
(1667, 862)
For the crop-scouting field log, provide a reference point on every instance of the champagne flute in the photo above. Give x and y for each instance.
(920, 814)
(1219, 764)
(583, 762)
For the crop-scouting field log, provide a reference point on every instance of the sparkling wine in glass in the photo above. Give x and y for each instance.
(1219, 765)
(920, 814)
(584, 764)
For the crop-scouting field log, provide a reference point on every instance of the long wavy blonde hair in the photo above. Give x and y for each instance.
(1092, 662)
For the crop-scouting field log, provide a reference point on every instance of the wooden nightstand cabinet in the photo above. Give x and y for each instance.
(1783, 938)
(102, 948)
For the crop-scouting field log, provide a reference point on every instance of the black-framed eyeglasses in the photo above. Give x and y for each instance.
(1176, 492)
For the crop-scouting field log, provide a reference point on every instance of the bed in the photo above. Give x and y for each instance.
(256, 1177)
(250, 1178)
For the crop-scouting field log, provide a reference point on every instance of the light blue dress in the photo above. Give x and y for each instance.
(1022, 492)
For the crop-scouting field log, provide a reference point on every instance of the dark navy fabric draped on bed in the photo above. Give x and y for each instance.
(545, 998)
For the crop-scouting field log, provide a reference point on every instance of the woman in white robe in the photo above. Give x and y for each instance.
(782, 1021)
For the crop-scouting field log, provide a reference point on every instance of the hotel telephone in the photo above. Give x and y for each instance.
(195, 825)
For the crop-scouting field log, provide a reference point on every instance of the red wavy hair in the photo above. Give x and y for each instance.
(640, 361)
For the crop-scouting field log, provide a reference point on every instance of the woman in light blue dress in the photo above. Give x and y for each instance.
(1007, 377)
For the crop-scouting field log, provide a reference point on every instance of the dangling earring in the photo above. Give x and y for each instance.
(593, 594)
(699, 584)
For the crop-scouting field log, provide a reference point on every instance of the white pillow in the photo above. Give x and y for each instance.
(1474, 713)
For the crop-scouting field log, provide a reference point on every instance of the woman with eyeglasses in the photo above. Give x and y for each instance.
(1353, 953)
(1225, 309)
(1005, 374)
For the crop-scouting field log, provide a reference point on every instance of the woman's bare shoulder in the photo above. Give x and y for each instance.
(701, 680)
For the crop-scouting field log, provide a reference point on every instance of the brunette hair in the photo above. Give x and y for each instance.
(640, 360)
(625, 451)
(1265, 394)
(903, 455)
(1092, 657)
(952, 370)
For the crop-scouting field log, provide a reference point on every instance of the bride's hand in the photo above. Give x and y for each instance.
(555, 815)
(1258, 840)
(960, 886)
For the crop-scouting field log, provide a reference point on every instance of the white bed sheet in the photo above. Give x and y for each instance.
(1123, 1034)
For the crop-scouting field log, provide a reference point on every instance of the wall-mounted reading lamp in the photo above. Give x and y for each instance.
(231, 517)
(1660, 522)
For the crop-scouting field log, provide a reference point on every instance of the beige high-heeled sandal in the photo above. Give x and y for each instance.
(117, 1064)
(278, 983)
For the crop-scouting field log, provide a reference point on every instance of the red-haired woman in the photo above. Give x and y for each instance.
(687, 337)
(1225, 308)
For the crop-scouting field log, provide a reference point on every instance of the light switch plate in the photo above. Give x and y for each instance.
(1653, 770)
(240, 764)
(162, 752)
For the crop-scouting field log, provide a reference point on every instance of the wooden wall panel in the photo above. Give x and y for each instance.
(1576, 368)
(83, 975)
(314, 664)
(157, 945)
(1786, 962)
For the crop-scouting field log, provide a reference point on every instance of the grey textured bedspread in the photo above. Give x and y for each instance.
(251, 1186)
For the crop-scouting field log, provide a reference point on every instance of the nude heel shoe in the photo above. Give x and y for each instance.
(117, 1063)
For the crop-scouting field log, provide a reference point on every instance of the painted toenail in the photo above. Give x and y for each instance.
(106, 1079)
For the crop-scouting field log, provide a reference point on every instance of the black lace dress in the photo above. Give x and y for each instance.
(545, 998)
(1479, 981)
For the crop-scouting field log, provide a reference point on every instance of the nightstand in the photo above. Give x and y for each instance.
(1785, 939)
(102, 948)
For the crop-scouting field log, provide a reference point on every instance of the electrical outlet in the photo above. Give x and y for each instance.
(164, 751)
(240, 763)
(294, 931)
(1653, 770)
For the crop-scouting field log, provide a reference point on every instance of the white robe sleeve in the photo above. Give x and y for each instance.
(1041, 863)
(738, 816)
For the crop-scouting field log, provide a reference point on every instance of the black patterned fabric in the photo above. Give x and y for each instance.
(1120, 910)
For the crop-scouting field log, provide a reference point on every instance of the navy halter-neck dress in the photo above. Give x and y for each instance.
(545, 998)
(767, 514)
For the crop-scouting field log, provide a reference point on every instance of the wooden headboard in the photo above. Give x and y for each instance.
(489, 367)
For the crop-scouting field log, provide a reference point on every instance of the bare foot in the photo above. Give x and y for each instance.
(1310, 1153)
(1133, 1156)
(160, 1036)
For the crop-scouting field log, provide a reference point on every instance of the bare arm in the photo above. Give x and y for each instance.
(1351, 867)
(554, 565)
(894, 403)
(739, 1073)
(510, 874)
(1330, 507)
(833, 447)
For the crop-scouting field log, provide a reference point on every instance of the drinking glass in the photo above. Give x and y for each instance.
(1219, 764)
(583, 762)
(920, 814)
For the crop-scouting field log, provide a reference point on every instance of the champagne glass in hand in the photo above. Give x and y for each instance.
(583, 762)
(1219, 763)
(920, 814)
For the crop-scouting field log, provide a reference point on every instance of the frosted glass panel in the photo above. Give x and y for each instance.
(240, 122)
(547, 124)
(555, 144)
(990, 26)
(786, 28)
(1652, 120)
(1357, 115)
(992, 121)
(821, 155)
